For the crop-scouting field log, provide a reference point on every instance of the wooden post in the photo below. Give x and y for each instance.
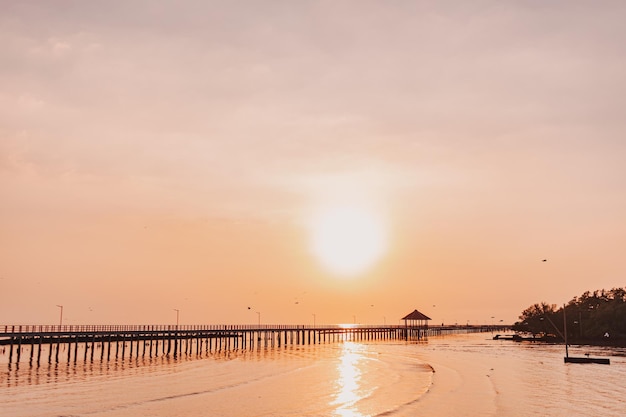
(75, 349)
(11, 351)
(19, 348)
(39, 349)
(32, 349)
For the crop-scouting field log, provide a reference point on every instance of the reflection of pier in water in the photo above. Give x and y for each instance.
(37, 343)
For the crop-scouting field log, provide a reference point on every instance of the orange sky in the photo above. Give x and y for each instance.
(159, 155)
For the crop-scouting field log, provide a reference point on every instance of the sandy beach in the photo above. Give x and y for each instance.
(477, 376)
(461, 387)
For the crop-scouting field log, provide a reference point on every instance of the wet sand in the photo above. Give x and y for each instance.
(477, 376)
(461, 385)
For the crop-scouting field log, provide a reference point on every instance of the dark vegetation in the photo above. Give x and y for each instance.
(592, 318)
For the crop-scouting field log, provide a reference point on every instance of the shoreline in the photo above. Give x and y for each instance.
(455, 377)
(577, 343)
(476, 376)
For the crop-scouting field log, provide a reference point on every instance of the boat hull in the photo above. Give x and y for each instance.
(573, 359)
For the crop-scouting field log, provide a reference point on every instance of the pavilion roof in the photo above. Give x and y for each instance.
(416, 315)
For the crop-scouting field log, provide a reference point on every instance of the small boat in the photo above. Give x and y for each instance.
(519, 338)
(587, 359)
(515, 337)
(579, 359)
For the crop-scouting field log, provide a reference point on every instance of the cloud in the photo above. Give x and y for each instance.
(211, 96)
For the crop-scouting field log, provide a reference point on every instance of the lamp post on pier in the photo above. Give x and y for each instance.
(177, 316)
(258, 313)
(61, 318)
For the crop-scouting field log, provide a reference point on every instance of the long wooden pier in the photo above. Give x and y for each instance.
(71, 343)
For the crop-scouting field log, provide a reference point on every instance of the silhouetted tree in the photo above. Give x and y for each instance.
(591, 317)
(533, 319)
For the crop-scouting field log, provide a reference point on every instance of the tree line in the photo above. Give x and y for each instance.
(593, 317)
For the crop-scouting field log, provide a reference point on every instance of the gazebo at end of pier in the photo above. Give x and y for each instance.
(416, 319)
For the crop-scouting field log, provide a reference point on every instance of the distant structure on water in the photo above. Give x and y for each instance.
(416, 319)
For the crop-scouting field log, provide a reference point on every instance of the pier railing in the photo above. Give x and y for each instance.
(110, 328)
(112, 342)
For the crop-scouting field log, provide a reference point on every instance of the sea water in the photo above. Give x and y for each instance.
(462, 375)
(478, 376)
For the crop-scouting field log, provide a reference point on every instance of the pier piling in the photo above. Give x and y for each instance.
(180, 340)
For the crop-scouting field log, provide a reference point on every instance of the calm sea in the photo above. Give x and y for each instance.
(466, 375)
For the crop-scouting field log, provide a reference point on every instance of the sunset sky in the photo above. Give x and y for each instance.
(161, 155)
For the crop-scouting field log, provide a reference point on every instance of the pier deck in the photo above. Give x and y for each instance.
(35, 343)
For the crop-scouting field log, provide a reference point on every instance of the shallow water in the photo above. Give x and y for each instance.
(504, 378)
(466, 375)
(344, 379)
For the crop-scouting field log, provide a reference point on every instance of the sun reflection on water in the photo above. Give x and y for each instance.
(348, 379)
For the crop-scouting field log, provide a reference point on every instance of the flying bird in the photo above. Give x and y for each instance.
(544, 260)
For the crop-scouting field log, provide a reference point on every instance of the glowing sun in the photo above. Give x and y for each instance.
(347, 240)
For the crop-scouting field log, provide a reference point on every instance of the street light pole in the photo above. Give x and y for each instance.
(580, 322)
(313, 319)
(61, 318)
(177, 315)
(258, 313)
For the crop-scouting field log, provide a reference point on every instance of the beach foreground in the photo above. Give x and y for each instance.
(475, 375)
(464, 375)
